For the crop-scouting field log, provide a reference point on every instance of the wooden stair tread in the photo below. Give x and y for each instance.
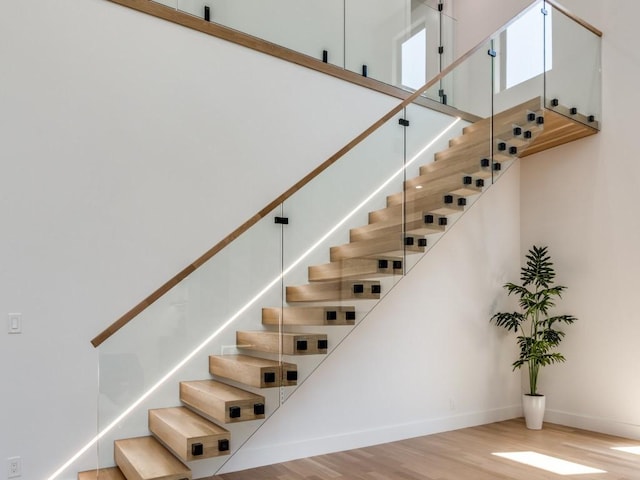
(479, 151)
(309, 315)
(214, 400)
(188, 435)
(413, 224)
(454, 184)
(290, 343)
(510, 115)
(111, 473)
(558, 130)
(579, 117)
(465, 166)
(389, 245)
(355, 268)
(334, 290)
(253, 371)
(502, 131)
(144, 458)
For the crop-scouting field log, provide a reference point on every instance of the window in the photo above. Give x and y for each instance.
(525, 49)
(414, 60)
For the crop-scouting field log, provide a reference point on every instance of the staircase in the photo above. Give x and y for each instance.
(200, 427)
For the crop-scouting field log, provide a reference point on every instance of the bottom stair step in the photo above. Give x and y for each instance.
(221, 402)
(253, 371)
(111, 473)
(144, 458)
(188, 435)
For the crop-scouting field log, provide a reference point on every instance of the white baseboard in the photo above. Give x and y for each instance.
(594, 424)
(249, 457)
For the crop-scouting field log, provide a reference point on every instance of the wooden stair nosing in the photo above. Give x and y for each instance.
(500, 131)
(430, 172)
(414, 226)
(533, 105)
(558, 131)
(353, 269)
(479, 150)
(215, 400)
(144, 458)
(253, 371)
(334, 291)
(416, 207)
(188, 435)
(109, 473)
(441, 187)
(577, 117)
(395, 244)
(470, 165)
(312, 316)
(286, 343)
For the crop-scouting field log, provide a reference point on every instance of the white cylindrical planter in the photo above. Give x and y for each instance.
(533, 406)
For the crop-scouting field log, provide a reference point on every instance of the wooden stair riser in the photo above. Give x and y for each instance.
(312, 316)
(111, 473)
(292, 343)
(506, 131)
(577, 116)
(558, 129)
(253, 371)
(334, 291)
(510, 115)
(144, 458)
(430, 172)
(223, 403)
(478, 151)
(458, 185)
(414, 224)
(188, 435)
(414, 210)
(389, 245)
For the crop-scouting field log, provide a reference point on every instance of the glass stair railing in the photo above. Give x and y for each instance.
(402, 43)
(194, 375)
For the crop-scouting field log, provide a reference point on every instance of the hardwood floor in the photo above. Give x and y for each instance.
(463, 454)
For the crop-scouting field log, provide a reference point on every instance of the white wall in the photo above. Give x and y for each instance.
(121, 136)
(579, 200)
(129, 146)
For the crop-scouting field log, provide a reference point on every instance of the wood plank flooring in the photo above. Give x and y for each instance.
(463, 454)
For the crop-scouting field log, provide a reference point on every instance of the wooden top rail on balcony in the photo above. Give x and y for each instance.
(190, 21)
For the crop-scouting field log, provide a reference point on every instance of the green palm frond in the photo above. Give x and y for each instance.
(538, 336)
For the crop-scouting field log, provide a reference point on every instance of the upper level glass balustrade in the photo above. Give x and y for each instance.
(394, 41)
(341, 249)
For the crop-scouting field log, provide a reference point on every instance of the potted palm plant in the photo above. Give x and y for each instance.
(538, 336)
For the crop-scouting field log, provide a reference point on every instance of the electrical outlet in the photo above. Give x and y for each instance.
(14, 466)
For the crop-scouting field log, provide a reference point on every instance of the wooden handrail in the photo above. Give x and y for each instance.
(301, 59)
(575, 18)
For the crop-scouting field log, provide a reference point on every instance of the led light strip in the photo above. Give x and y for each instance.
(217, 332)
